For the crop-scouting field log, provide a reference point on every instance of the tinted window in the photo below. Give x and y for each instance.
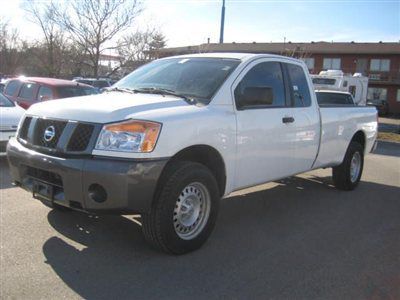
(193, 77)
(352, 90)
(298, 86)
(333, 99)
(89, 82)
(327, 81)
(4, 102)
(74, 91)
(11, 87)
(100, 83)
(27, 91)
(264, 81)
(45, 93)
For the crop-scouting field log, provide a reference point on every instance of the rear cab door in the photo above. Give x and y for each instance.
(306, 126)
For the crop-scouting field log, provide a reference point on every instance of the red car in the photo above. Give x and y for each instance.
(29, 90)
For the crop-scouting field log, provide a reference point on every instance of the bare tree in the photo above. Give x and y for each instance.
(138, 46)
(158, 42)
(10, 45)
(95, 24)
(54, 42)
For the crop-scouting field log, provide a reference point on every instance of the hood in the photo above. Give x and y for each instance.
(106, 107)
(10, 116)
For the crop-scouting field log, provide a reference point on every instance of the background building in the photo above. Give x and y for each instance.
(379, 61)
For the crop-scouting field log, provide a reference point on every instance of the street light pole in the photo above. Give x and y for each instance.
(221, 33)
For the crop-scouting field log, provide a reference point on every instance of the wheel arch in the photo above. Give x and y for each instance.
(360, 138)
(205, 155)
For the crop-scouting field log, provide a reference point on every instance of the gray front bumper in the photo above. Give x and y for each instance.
(129, 184)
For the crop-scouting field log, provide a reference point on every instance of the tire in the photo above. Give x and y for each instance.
(347, 175)
(184, 209)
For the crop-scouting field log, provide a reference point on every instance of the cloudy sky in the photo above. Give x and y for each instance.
(189, 22)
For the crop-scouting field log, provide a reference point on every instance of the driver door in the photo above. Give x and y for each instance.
(265, 126)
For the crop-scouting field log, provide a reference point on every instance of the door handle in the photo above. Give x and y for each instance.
(287, 120)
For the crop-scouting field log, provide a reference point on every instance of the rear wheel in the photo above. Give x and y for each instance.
(184, 210)
(347, 175)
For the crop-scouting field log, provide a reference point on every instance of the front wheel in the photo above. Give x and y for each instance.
(184, 210)
(347, 175)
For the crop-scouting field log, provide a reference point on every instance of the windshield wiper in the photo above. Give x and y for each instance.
(163, 91)
(123, 90)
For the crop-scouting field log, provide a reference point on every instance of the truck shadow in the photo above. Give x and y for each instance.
(302, 237)
(5, 179)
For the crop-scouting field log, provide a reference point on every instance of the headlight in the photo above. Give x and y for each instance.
(129, 136)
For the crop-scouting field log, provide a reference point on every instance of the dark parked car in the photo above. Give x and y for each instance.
(381, 105)
(29, 90)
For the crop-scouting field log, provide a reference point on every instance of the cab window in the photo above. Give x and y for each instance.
(298, 86)
(261, 87)
(27, 91)
(45, 93)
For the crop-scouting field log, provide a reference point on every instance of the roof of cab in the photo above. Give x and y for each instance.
(50, 81)
(333, 91)
(229, 55)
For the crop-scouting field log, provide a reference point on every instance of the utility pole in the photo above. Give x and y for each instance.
(221, 33)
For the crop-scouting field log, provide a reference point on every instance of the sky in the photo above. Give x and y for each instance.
(192, 22)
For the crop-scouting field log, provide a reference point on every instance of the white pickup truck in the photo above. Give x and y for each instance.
(172, 138)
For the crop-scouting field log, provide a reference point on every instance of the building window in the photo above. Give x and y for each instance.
(398, 95)
(380, 65)
(309, 61)
(331, 64)
(377, 94)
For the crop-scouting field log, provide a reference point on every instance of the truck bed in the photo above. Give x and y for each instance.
(338, 126)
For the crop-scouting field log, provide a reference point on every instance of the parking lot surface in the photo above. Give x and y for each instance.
(296, 238)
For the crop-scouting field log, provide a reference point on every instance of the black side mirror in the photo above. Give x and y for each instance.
(256, 96)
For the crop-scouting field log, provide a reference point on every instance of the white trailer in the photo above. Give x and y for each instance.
(336, 80)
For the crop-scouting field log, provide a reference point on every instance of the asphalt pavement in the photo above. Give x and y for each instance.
(297, 238)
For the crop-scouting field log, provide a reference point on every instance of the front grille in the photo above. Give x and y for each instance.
(23, 133)
(45, 176)
(55, 137)
(44, 124)
(81, 137)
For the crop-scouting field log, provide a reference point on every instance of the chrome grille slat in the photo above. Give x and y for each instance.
(23, 133)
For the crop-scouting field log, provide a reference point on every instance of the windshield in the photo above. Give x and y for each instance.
(74, 91)
(5, 102)
(192, 77)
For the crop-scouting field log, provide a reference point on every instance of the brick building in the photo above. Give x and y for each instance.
(379, 61)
